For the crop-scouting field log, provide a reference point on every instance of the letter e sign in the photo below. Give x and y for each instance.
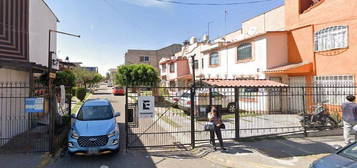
(146, 106)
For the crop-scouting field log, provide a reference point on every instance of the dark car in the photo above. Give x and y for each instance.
(343, 158)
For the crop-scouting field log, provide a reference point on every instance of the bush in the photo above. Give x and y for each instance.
(81, 93)
(74, 91)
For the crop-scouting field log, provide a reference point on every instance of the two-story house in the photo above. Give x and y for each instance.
(176, 71)
(321, 48)
(260, 44)
(24, 53)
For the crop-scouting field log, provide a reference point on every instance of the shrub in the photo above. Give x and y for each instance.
(74, 91)
(81, 93)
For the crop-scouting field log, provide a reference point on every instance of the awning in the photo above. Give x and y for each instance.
(22, 65)
(291, 69)
(243, 83)
(188, 76)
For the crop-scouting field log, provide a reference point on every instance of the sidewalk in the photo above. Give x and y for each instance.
(20, 160)
(271, 153)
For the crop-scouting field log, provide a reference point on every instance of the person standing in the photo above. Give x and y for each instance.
(215, 118)
(349, 117)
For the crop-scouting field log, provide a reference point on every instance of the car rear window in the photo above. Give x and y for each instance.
(87, 113)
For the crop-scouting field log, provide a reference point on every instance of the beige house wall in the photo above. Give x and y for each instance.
(133, 56)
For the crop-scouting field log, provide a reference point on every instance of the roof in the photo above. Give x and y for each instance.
(235, 42)
(53, 13)
(243, 83)
(96, 102)
(303, 67)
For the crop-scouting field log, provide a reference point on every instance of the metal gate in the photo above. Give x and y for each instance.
(167, 125)
(179, 117)
(24, 132)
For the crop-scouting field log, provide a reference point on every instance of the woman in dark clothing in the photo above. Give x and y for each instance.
(215, 118)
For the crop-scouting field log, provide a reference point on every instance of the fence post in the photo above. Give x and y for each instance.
(126, 120)
(236, 113)
(193, 117)
(304, 110)
(210, 97)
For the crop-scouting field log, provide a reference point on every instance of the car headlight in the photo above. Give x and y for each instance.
(74, 135)
(112, 133)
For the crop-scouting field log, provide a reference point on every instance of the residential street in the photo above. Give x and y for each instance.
(170, 158)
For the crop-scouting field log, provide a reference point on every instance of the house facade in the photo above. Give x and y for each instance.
(321, 48)
(151, 57)
(248, 52)
(24, 55)
(30, 21)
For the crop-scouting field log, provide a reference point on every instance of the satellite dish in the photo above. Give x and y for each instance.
(252, 31)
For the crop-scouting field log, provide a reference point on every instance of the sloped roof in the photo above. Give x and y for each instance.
(243, 83)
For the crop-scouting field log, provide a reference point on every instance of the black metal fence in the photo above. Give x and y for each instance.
(246, 112)
(22, 131)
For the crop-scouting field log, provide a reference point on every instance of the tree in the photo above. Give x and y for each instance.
(86, 78)
(137, 75)
(66, 78)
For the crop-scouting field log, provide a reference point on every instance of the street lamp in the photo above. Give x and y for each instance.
(50, 81)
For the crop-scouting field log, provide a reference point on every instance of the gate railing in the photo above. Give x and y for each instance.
(246, 112)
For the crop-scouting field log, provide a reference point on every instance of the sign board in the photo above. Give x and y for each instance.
(146, 106)
(52, 75)
(34, 105)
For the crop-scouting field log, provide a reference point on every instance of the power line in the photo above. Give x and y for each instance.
(212, 4)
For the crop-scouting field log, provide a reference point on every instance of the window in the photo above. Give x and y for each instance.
(331, 38)
(172, 68)
(87, 113)
(195, 64)
(144, 59)
(244, 51)
(163, 68)
(333, 89)
(202, 63)
(213, 59)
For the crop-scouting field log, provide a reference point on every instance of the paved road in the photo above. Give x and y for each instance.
(172, 158)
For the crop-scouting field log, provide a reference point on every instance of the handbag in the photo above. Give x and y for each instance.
(222, 126)
(209, 126)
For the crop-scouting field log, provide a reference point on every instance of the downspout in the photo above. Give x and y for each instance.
(313, 48)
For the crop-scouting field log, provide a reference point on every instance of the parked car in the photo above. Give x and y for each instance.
(118, 91)
(94, 130)
(109, 84)
(344, 158)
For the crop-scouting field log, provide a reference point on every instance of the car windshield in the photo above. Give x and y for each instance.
(95, 113)
(350, 152)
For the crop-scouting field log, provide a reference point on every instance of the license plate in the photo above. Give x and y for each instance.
(92, 151)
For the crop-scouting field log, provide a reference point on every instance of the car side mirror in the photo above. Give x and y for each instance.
(116, 114)
(337, 147)
(74, 116)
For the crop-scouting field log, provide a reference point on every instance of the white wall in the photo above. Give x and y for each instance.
(232, 68)
(9, 75)
(41, 20)
(13, 119)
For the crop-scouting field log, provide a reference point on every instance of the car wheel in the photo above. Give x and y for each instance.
(231, 108)
(71, 154)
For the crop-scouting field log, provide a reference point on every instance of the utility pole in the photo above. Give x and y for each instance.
(50, 85)
(208, 27)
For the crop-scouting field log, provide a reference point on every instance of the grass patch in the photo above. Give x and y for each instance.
(76, 107)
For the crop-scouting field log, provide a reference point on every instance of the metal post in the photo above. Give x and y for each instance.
(50, 109)
(193, 102)
(236, 113)
(210, 97)
(304, 110)
(126, 120)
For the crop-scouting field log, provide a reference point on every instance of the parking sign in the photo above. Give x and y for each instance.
(146, 106)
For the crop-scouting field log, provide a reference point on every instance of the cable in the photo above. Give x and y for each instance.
(212, 4)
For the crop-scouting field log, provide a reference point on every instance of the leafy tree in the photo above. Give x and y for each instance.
(136, 75)
(86, 78)
(66, 78)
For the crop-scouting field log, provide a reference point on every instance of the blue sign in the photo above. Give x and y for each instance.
(34, 105)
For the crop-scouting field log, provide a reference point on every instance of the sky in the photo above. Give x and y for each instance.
(108, 28)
